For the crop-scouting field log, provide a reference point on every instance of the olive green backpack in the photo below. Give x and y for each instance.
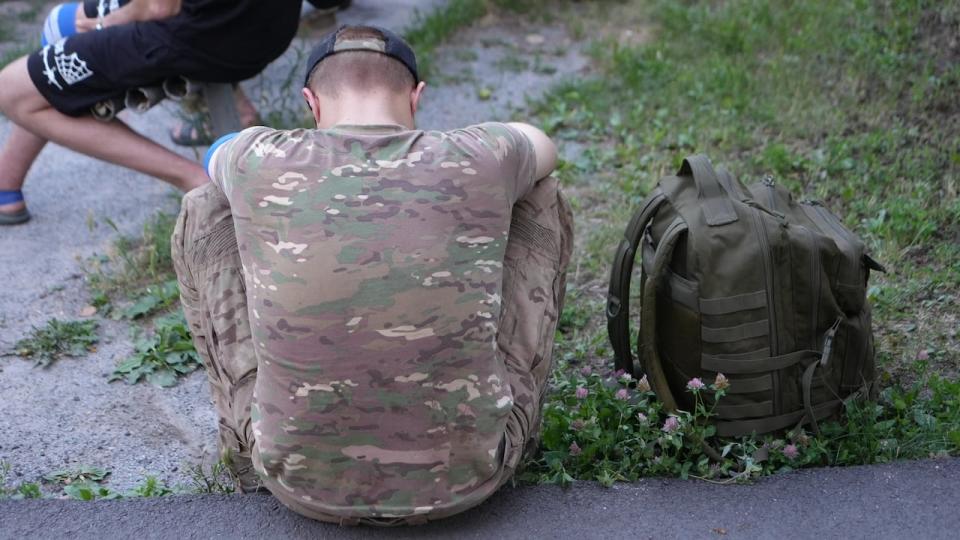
(749, 283)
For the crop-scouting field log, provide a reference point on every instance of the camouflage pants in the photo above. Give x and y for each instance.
(214, 300)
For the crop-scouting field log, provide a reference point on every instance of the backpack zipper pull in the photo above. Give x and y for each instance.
(828, 342)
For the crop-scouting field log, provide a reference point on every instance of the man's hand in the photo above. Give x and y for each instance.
(135, 11)
(543, 147)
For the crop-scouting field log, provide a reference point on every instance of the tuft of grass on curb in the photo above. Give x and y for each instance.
(58, 339)
(25, 490)
(216, 480)
(150, 487)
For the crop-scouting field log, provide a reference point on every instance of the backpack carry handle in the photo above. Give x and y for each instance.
(618, 297)
(714, 199)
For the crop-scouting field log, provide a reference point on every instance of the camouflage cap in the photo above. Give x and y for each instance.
(391, 45)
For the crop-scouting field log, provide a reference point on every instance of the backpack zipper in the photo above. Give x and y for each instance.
(771, 191)
(771, 301)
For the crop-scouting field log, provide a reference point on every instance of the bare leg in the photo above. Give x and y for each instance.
(248, 113)
(16, 157)
(113, 142)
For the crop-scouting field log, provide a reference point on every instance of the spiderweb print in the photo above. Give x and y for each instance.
(72, 68)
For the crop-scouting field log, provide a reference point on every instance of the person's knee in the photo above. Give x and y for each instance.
(18, 95)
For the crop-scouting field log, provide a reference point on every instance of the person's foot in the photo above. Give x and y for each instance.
(13, 210)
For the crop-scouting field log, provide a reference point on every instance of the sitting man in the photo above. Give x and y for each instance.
(48, 94)
(375, 305)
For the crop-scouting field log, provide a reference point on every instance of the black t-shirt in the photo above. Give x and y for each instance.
(238, 33)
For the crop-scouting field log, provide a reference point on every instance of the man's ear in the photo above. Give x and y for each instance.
(415, 96)
(313, 101)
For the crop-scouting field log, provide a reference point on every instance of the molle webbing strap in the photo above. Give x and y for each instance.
(747, 363)
(737, 428)
(807, 383)
(716, 204)
(618, 298)
(733, 304)
(650, 353)
(733, 334)
(749, 385)
(746, 410)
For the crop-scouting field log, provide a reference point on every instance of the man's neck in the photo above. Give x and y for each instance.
(365, 111)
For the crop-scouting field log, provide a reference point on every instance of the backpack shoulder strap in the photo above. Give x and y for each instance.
(649, 352)
(713, 198)
(618, 297)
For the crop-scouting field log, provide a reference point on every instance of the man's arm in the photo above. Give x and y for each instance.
(543, 147)
(135, 11)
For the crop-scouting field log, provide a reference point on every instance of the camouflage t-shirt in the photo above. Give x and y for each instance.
(373, 261)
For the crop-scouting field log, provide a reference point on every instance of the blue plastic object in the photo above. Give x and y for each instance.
(61, 23)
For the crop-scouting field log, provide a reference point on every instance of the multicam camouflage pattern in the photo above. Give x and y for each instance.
(213, 296)
(403, 346)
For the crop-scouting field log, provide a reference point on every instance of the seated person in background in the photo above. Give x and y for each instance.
(375, 305)
(48, 94)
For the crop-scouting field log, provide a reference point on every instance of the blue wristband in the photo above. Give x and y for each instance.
(213, 150)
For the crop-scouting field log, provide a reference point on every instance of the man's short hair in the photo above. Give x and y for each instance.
(360, 69)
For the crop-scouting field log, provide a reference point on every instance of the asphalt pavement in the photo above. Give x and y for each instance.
(913, 499)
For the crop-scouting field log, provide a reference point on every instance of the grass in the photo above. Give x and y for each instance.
(432, 29)
(133, 263)
(216, 480)
(850, 102)
(58, 339)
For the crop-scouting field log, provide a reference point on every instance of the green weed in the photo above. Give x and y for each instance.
(26, 490)
(153, 299)
(58, 339)
(83, 483)
(216, 480)
(83, 473)
(161, 358)
(150, 487)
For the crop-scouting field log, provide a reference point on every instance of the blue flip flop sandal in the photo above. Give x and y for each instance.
(15, 218)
